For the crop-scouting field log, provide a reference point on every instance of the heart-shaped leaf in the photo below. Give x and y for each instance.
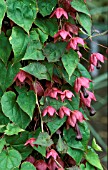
(12, 110)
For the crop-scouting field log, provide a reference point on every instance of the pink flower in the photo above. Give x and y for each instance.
(59, 12)
(64, 111)
(50, 110)
(52, 92)
(74, 117)
(87, 101)
(22, 75)
(74, 42)
(68, 8)
(95, 58)
(66, 94)
(91, 68)
(30, 142)
(40, 165)
(63, 34)
(81, 82)
(70, 28)
(52, 153)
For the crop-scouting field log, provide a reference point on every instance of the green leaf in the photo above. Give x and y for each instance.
(50, 67)
(22, 12)
(2, 12)
(70, 61)
(18, 141)
(88, 167)
(20, 90)
(27, 166)
(2, 128)
(12, 110)
(48, 26)
(2, 143)
(7, 74)
(80, 6)
(5, 48)
(43, 36)
(9, 159)
(93, 159)
(84, 129)
(53, 52)
(44, 139)
(55, 123)
(83, 71)
(95, 145)
(19, 41)
(77, 155)
(61, 146)
(3, 119)
(85, 22)
(12, 129)
(55, 103)
(74, 103)
(41, 150)
(27, 102)
(34, 51)
(72, 79)
(37, 69)
(69, 136)
(46, 6)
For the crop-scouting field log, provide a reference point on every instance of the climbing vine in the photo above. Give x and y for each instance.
(46, 92)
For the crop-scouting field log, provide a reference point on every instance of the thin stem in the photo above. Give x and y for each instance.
(85, 59)
(39, 112)
(103, 33)
(60, 23)
(99, 44)
(58, 163)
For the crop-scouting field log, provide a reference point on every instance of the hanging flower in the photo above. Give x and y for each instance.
(63, 34)
(30, 142)
(64, 111)
(52, 92)
(50, 110)
(23, 77)
(66, 94)
(74, 117)
(95, 60)
(70, 28)
(81, 82)
(91, 68)
(59, 12)
(74, 43)
(87, 101)
(52, 153)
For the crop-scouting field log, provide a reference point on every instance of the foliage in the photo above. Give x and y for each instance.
(44, 88)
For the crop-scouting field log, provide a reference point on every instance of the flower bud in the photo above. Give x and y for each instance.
(84, 92)
(92, 111)
(78, 136)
